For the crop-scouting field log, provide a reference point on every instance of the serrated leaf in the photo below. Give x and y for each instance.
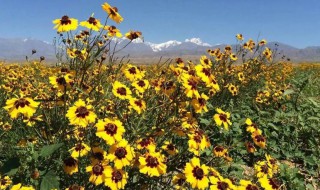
(10, 167)
(49, 149)
(50, 181)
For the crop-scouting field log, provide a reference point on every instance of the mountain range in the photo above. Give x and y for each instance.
(16, 49)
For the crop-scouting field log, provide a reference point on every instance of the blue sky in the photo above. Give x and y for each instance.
(294, 22)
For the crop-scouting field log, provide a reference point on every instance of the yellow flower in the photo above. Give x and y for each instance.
(239, 37)
(65, 24)
(190, 84)
(98, 172)
(245, 185)
(79, 150)
(20, 187)
(198, 142)
(121, 91)
(121, 154)
(170, 148)
(204, 72)
(112, 12)
(179, 181)
(115, 178)
(146, 143)
(98, 155)
(267, 53)
(113, 31)
(199, 104)
(222, 118)
(219, 151)
(269, 183)
(131, 35)
(25, 106)
(250, 147)
(262, 42)
(273, 162)
(92, 24)
(110, 130)
(241, 76)
(252, 127)
(218, 183)
(233, 89)
(258, 139)
(81, 114)
(152, 164)
(263, 168)
(62, 83)
(70, 165)
(196, 175)
(5, 181)
(205, 61)
(233, 57)
(133, 73)
(141, 85)
(138, 105)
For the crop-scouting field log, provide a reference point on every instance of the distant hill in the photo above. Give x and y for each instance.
(146, 52)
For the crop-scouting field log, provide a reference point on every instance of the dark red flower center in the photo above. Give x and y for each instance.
(82, 112)
(219, 149)
(132, 70)
(141, 83)
(202, 101)
(98, 155)
(65, 20)
(97, 169)
(167, 85)
(61, 81)
(21, 103)
(222, 185)
(145, 142)
(198, 173)
(259, 138)
(120, 153)
(71, 162)
(265, 169)
(79, 147)
(274, 183)
(193, 83)
(252, 187)
(206, 71)
(111, 129)
(122, 91)
(116, 176)
(74, 187)
(223, 117)
(152, 162)
(181, 181)
(92, 21)
(138, 103)
(171, 147)
(197, 138)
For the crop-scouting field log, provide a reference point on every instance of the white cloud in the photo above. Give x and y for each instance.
(197, 41)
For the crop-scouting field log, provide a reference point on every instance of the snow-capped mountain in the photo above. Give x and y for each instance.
(17, 49)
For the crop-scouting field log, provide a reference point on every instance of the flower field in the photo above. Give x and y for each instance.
(238, 118)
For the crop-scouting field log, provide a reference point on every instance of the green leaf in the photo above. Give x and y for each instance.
(49, 149)
(313, 118)
(309, 186)
(10, 167)
(50, 181)
(287, 92)
(204, 121)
